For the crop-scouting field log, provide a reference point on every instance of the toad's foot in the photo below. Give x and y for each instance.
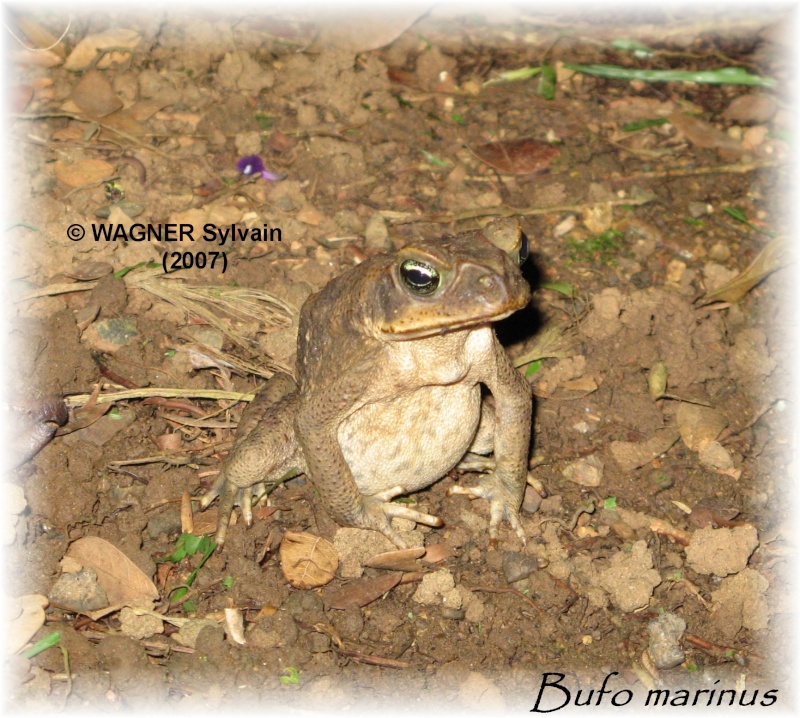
(231, 496)
(379, 510)
(502, 505)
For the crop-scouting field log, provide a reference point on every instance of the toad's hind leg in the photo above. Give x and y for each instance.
(265, 453)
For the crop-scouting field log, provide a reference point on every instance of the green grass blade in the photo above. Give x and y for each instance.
(723, 76)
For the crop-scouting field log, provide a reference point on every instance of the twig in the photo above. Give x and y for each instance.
(735, 168)
(509, 211)
(80, 118)
(143, 393)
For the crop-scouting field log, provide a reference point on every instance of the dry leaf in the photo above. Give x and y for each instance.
(187, 520)
(400, 560)
(362, 592)
(703, 134)
(87, 50)
(774, 255)
(517, 157)
(26, 616)
(40, 37)
(83, 172)
(307, 561)
(95, 96)
(699, 425)
(438, 552)
(122, 580)
(234, 625)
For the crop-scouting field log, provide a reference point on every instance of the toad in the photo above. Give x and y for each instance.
(391, 358)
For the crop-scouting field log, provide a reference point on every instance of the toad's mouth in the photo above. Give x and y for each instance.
(444, 325)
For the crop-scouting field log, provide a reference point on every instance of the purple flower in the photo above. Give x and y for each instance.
(254, 165)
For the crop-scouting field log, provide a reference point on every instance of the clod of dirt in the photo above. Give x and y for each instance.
(665, 633)
(721, 551)
(307, 561)
(190, 631)
(716, 456)
(438, 588)
(631, 578)
(139, 627)
(750, 355)
(239, 70)
(95, 96)
(741, 603)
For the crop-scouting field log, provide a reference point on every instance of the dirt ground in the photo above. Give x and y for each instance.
(658, 515)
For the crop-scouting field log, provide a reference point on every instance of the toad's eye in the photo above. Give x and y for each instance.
(419, 277)
(524, 248)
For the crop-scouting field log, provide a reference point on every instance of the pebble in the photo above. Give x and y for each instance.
(665, 633)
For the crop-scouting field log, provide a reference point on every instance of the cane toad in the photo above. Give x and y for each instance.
(390, 361)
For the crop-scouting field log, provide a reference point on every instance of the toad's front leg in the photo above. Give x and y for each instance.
(505, 486)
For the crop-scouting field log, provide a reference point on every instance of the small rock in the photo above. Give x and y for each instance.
(631, 578)
(517, 566)
(248, 143)
(376, 234)
(79, 591)
(139, 627)
(665, 633)
(716, 456)
(698, 209)
(587, 471)
(532, 500)
(751, 109)
(720, 252)
(109, 335)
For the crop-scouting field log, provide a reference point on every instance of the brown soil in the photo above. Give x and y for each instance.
(375, 145)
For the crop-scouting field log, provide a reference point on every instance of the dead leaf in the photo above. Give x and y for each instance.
(400, 560)
(123, 121)
(26, 616)
(83, 172)
(123, 581)
(307, 561)
(699, 425)
(631, 455)
(703, 134)
(517, 157)
(40, 37)
(438, 552)
(774, 255)
(87, 50)
(187, 520)
(362, 592)
(234, 625)
(95, 96)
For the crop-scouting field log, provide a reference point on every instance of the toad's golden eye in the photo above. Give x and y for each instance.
(419, 277)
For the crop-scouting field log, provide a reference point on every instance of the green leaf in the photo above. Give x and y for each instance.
(694, 222)
(189, 606)
(523, 73)
(633, 46)
(434, 160)
(736, 213)
(170, 353)
(547, 83)
(565, 288)
(115, 413)
(120, 273)
(533, 367)
(641, 124)
(264, 120)
(723, 76)
(43, 644)
(228, 582)
(291, 676)
(610, 502)
(458, 119)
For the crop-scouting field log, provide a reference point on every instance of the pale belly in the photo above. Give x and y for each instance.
(411, 440)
